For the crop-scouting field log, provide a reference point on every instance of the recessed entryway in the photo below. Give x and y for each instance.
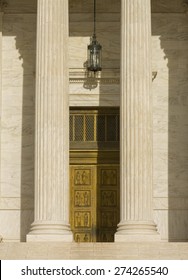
(94, 174)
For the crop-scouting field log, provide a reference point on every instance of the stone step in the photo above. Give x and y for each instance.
(92, 251)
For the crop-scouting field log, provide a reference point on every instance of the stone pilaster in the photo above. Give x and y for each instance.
(52, 125)
(136, 124)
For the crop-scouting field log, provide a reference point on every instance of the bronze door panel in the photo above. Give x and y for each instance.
(94, 202)
(108, 202)
(83, 204)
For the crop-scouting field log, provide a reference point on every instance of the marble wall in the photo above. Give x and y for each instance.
(106, 91)
(17, 124)
(170, 111)
(170, 104)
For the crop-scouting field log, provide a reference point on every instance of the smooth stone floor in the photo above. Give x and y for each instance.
(89, 251)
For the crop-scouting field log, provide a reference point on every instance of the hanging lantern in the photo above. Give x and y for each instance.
(94, 55)
(94, 50)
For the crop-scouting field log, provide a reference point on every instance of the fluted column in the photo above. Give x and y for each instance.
(51, 128)
(136, 124)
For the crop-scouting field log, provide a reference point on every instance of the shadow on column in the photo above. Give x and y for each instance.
(109, 96)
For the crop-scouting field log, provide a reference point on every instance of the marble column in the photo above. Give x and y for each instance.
(52, 125)
(136, 218)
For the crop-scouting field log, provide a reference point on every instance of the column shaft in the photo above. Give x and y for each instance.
(51, 127)
(136, 123)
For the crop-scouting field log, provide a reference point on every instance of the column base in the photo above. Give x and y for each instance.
(136, 231)
(47, 231)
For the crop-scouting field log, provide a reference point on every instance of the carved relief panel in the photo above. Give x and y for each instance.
(94, 202)
(108, 202)
(82, 177)
(82, 198)
(83, 206)
(108, 177)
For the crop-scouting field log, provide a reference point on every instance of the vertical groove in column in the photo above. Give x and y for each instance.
(143, 126)
(52, 118)
(136, 114)
(135, 110)
(146, 116)
(141, 136)
(1, 68)
(131, 117)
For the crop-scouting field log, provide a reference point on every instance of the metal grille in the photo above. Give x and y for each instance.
(101, 128)
(111, 128)
(71, 128)
(78, 122)
(94, 126)
(89, 128)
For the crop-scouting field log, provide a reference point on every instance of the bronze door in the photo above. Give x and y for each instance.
(94, 202)
(94, 173)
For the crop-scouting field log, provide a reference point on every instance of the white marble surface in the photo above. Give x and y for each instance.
(17, 125)
(170, 102)
(170, 119)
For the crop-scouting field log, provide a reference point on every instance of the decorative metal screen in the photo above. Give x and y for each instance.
(94, 126)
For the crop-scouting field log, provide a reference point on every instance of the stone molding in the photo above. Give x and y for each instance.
(107, 76)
